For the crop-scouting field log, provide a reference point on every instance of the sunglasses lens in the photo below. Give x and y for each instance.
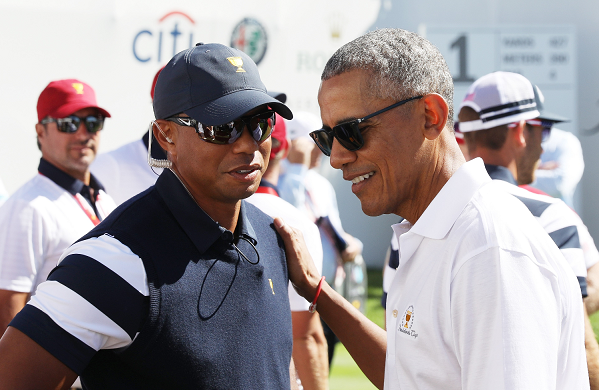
(68, 125)
(94, 124)
(545, 134)
(262, 126)
(71, 124)
(220, 134)
(324, 140)
(349, 136)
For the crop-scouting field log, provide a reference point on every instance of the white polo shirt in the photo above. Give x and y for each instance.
(125, 172)
(274, 206)
(37, 223)
(482, 298)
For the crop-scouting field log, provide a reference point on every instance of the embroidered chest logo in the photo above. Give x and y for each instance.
(407, 321)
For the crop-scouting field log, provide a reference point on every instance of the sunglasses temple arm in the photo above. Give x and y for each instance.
(389, 108)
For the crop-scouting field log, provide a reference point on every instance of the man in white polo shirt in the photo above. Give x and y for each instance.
(482, 298)
(61, 203)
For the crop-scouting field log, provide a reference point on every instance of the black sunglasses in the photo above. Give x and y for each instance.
(546, 127)
(348, 134)
(260, 125)
(71, 124)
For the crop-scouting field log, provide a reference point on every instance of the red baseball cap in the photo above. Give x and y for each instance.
(62, 98)
(280, 134)
(154, 82)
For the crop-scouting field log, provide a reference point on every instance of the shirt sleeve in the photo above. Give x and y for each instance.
(505, 336)
(26, 234)
(96, 298)
(565, 229)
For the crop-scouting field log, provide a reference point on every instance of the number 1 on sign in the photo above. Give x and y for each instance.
(461, 45)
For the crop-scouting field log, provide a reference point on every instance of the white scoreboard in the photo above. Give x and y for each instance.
(546, 55)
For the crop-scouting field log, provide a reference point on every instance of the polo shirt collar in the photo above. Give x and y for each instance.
(267, 184)
(202, 230)
(68, 182)
(500, 173)
(440, 215)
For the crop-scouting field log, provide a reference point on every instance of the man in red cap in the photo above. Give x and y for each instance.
(61, 203)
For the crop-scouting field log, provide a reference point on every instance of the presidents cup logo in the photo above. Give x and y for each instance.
(250, 37)
(405, 325)
(78, 87)
(238, 62)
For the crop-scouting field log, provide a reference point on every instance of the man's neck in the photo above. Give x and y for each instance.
(226, 214)
(497, 157)
(431, 183)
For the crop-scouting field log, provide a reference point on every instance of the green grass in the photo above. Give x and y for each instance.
(595, 322)
(345, 374)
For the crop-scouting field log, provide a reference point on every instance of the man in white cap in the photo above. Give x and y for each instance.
(511, 148)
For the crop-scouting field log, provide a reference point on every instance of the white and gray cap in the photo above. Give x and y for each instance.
(500, 98)
(302, 124)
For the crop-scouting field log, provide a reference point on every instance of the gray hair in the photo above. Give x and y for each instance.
(402, 65)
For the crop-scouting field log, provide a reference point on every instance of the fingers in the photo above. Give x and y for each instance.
(302, 272)
(295, 247)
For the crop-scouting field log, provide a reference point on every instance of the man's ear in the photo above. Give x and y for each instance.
(165, 134)
(39, 129)
(516, 134)
(435, 111)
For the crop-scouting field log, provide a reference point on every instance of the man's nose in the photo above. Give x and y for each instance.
(340, 156)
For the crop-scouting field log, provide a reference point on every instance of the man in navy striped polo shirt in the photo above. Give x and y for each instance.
(185, 285)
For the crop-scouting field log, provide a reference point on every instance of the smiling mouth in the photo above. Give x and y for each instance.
(361, 178)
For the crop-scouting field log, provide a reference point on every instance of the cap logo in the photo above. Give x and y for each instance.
(238, 62)
(78, 88)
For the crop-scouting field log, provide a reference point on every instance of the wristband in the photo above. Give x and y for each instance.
(312, 307)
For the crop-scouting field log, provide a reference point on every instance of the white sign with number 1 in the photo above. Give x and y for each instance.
(545, 55)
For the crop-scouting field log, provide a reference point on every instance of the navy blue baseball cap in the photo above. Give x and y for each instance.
(544, 114)
(212, 83)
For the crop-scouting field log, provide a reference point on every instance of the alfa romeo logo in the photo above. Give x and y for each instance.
(250, 37)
